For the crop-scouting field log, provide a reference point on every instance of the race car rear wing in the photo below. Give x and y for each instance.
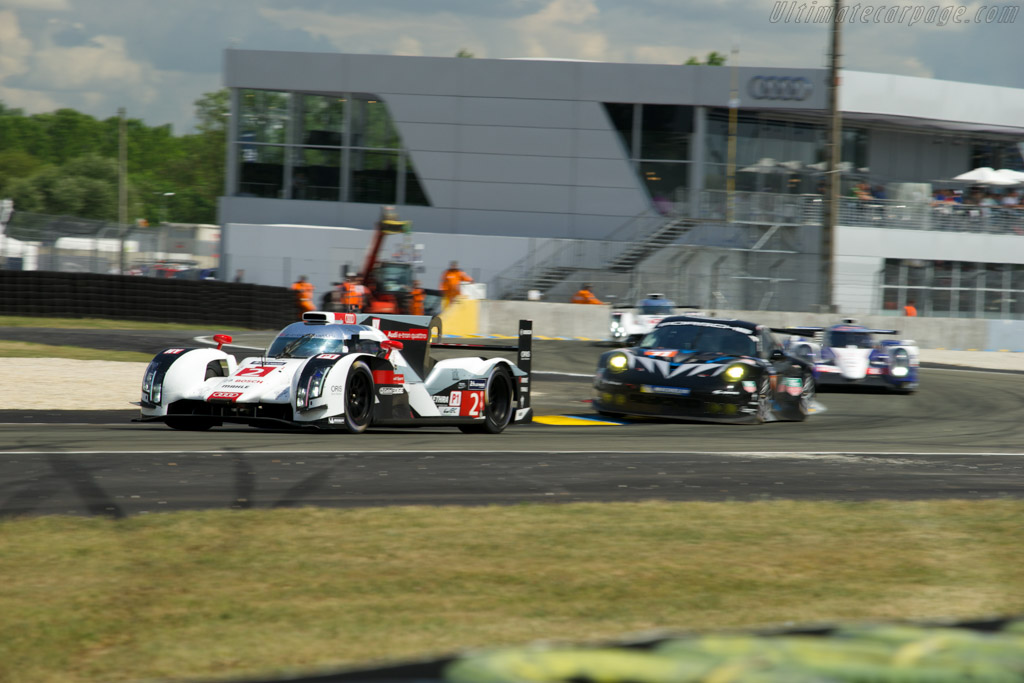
(798, 331)
(524, 355)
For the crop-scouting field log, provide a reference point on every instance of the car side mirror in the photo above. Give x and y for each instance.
(221, 340)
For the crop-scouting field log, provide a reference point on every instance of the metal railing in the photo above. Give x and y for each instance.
(78, 245)
(555, 258)
(807, 209)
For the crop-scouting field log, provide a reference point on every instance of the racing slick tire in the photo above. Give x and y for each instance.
(764, 401)
(358, 398)
(807, 394)
(499, 405)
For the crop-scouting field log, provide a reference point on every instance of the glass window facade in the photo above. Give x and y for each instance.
(954, 289)
(342, 147)
(657, 139)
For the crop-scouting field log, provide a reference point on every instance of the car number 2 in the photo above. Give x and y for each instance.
(469, 403)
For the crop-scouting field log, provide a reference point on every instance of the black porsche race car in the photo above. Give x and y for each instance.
(711, 369)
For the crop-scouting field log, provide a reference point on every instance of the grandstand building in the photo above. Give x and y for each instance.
(538, 174)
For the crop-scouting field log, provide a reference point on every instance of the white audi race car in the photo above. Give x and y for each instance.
(342, 371)
(848, 354)
(628, 325)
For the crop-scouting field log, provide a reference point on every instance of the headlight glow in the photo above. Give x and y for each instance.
(157, 392)
(735, 372)
(618, 363)
(899, 372)
(316, 383)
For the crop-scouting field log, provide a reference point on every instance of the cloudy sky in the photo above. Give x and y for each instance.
(156, 57)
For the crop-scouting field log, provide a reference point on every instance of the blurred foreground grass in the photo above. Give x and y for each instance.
(220, 594)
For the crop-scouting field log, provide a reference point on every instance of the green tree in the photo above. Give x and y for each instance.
(713, 59)
(463, 52)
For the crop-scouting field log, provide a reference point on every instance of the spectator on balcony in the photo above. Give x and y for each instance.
(910, 310)
(1011, 200)
(585, 296)
(878, 192)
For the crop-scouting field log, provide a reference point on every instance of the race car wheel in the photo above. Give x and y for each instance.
(214, 369)
(807, 395)
(499, 403)
(764, 401)
(358, 398)
(188, 425)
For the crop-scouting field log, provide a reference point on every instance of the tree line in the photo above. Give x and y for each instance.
(66, 163)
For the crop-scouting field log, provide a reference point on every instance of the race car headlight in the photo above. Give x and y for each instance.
(900, 363)
(735, 372)
(618, 362)
(156, 393)
(300, 397)
(147, 382)
(316, 383)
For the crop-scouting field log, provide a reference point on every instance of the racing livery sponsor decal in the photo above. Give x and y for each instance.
(337, 389)
(255, 370)
(390, 391)
(387, 377)
(672, 391)
(417, 334)
(174, 351)
(330, 356)
(448, 411)
(441, 400)
(469, 403)
(477, 384)
(749, 386)
(224, 396)
(793, 385)
(660, 353)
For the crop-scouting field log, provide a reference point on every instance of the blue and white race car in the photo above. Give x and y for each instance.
(848, 354)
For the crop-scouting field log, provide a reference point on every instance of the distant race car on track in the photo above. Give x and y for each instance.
(342, 371)
(701, 368)
(848, 354)
(629, 324)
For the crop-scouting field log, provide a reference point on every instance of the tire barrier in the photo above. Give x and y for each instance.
(47, 294)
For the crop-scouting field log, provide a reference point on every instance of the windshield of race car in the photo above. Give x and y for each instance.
(696, 338)
(305, 346)
(841, 339)
(662, 308)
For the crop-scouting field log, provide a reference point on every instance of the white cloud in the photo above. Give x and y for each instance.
(15, 49)
(46, 5)
(409, 46)
(102, 63)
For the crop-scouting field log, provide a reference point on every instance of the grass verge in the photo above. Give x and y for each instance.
(223, 594)
(15, 349)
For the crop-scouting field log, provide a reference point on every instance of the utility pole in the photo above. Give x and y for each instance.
(122, 182)
(830, 213)
(730, 169)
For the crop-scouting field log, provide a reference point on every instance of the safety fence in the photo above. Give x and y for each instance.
(48, 294)
(31, 241)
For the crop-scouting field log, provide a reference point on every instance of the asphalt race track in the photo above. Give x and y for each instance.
(960, 436)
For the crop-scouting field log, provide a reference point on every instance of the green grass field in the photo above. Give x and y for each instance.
(223, 594)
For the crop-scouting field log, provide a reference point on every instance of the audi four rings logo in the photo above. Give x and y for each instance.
(780, 88)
